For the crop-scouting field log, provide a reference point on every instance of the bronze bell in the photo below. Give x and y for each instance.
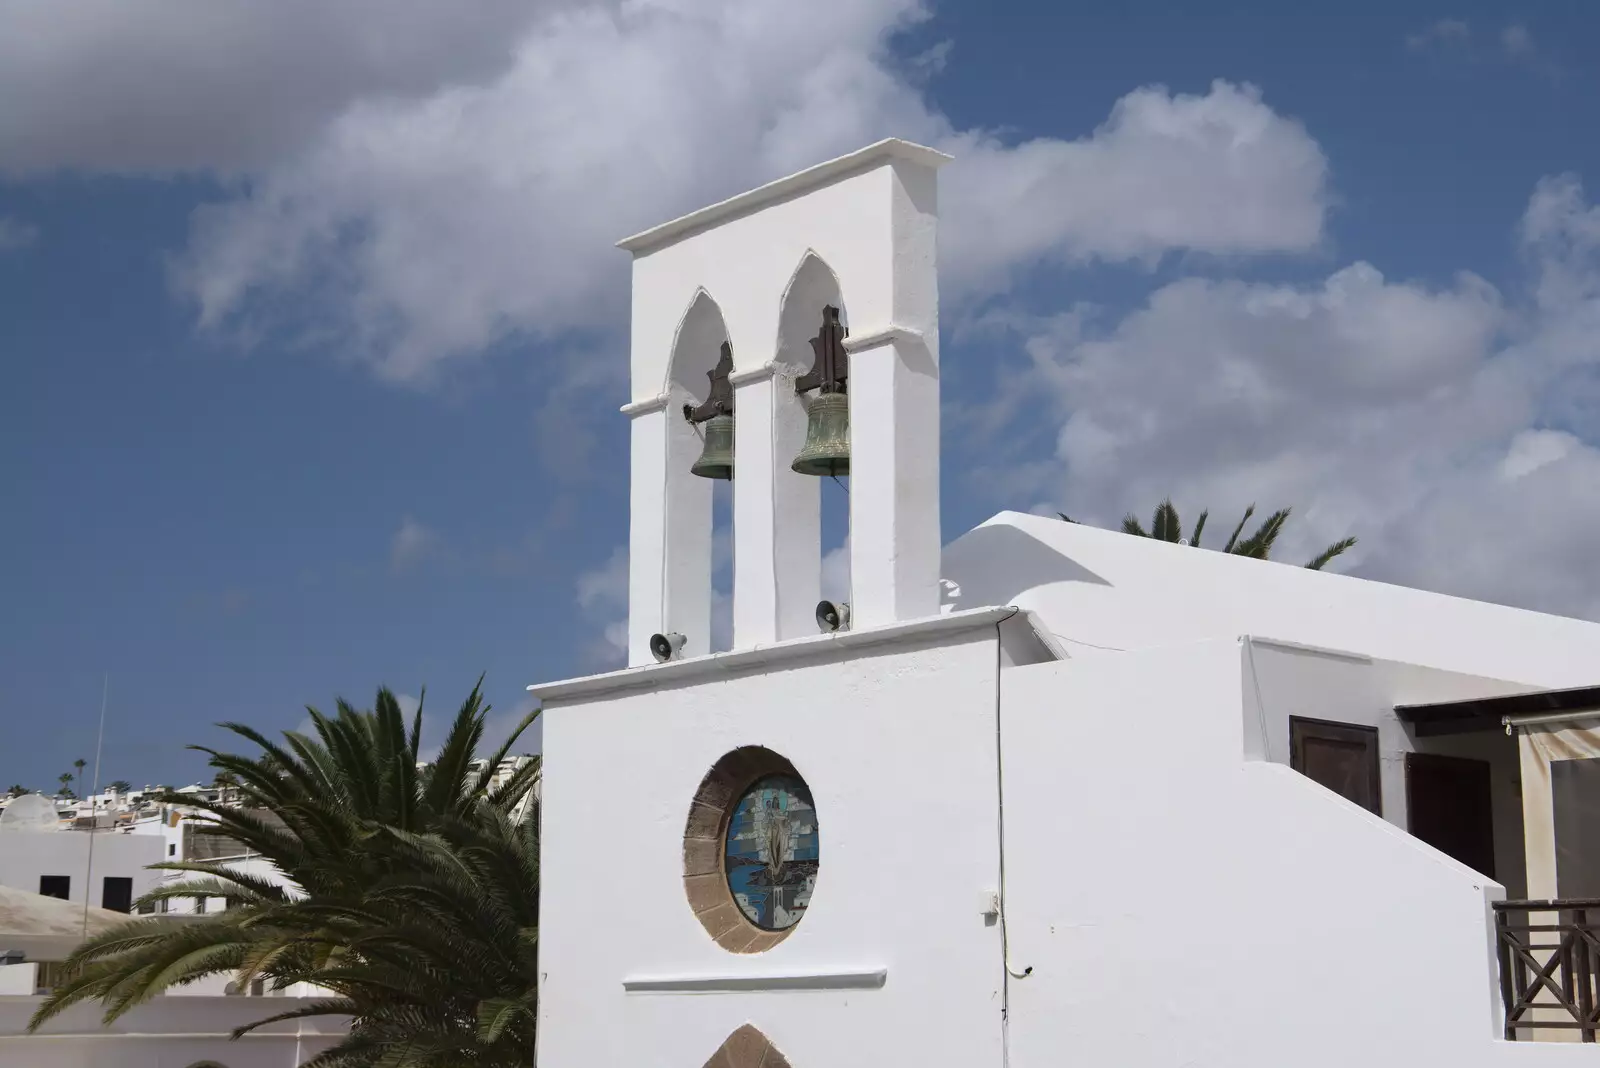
(716, 459)
(827, 448)
(716, 415)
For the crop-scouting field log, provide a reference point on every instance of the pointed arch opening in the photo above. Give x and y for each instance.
(821, 508)
(747, 1048)
(698, 571)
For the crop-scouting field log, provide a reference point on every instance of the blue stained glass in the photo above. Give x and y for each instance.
(771, 852)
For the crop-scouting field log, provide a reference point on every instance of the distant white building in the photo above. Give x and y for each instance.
(109, 869)
(1048, 794)
(38, 932)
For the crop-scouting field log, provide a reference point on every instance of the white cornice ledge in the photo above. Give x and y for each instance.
(782, 189)
(646, 406)
(858, 979)
(683, 672)
(887, 335)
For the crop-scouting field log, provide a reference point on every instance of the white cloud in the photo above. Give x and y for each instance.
(1220, 173)
(227, 84)
(423, 227)
(1517, 42)
(1453, 39)
(607, 585)
(836, 574)
(411, 543)
(602, 595)
(1445, 33)
(1452, 430)
(15, 233)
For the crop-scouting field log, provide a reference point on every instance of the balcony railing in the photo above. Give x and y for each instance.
(1549, 966)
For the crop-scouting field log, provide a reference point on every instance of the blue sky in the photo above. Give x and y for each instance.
(315, 335)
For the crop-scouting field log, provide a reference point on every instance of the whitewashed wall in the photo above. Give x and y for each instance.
(26, 855)
(166, 1033)
(1318, 684)
(1180, 904)
(897, 745)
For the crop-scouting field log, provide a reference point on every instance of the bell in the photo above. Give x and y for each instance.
(827, 448)
(716, 459)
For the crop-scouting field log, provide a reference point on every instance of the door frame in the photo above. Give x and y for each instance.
(1304, 728)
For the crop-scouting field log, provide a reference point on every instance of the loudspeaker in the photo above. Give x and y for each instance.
(832, 617)
(666, 647)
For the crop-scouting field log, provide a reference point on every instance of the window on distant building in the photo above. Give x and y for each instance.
(199, 904)
(116, 893)
(47, 975)
(56, 886)
(172, 850)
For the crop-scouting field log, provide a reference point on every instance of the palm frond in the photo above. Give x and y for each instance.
(1322, 559)
(1233, 539)
(1165, 524)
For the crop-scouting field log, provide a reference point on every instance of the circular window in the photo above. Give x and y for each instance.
(750, 850)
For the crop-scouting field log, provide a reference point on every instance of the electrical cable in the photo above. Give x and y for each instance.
(1000, 829)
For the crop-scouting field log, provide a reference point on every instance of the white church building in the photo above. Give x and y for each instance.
(1044, 795)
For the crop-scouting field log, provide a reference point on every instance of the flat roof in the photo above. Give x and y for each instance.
(783, 188)
(1488, 713)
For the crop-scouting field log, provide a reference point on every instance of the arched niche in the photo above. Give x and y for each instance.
(818, 514)
(747, 1048)
(696, 344)
(688, 503)
(812, 287)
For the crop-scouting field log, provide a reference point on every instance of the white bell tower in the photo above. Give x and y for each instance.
(756, 271)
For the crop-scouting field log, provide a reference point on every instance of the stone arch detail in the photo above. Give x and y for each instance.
(747, 1048)
(704, 879)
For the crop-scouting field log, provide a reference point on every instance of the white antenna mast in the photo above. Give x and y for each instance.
(94, 819)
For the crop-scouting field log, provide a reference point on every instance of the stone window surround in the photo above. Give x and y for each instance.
(747, 1048)
(705, 879)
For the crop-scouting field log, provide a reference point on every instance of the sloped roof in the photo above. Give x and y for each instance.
(1100, 591)
(47, 928)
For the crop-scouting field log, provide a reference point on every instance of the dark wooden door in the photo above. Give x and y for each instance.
(1449, 806)
(1341, 756)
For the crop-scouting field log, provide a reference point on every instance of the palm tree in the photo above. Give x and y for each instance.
(416, 900)
(17, 790)
(1166, 526)
(120, 786)
(65, 779)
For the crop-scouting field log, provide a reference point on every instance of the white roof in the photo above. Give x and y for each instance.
(47, 928)
(1100, 591)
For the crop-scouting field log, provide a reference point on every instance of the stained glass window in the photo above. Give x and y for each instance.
(771, 851)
